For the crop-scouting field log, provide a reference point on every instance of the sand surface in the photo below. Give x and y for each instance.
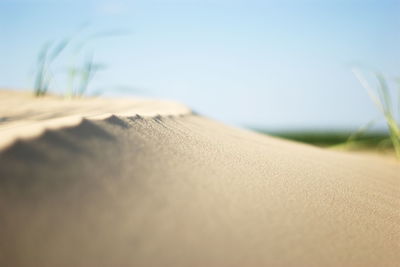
(180, 189)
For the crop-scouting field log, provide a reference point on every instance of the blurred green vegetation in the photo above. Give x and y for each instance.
(378, 140)
(80, 70)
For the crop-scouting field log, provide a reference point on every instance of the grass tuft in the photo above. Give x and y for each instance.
(386, 104)
(79, 75)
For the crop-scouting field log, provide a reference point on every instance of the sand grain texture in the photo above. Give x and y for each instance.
(183, 190)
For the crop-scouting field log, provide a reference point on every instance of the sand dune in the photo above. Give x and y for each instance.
(177, 189)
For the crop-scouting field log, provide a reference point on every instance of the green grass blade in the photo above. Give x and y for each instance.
(384, 94)
(369, 89)
(39, 88)
(56, 51)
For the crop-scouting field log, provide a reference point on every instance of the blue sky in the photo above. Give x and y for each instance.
(273, 64)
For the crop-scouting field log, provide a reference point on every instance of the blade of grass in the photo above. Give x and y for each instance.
(398, 97)
(39, 89)
(384, 93)
(369, 89)
(354, 138)
(361, 131)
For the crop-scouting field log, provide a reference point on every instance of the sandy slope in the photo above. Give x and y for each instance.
(183, 190)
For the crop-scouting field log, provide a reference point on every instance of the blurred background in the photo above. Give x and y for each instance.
(274, 65)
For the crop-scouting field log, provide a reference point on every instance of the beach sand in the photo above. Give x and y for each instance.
(100, 182)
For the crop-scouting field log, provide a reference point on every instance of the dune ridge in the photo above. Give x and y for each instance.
(24, 116)
(185, 190)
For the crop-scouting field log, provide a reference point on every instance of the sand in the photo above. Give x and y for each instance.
(128, 187)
